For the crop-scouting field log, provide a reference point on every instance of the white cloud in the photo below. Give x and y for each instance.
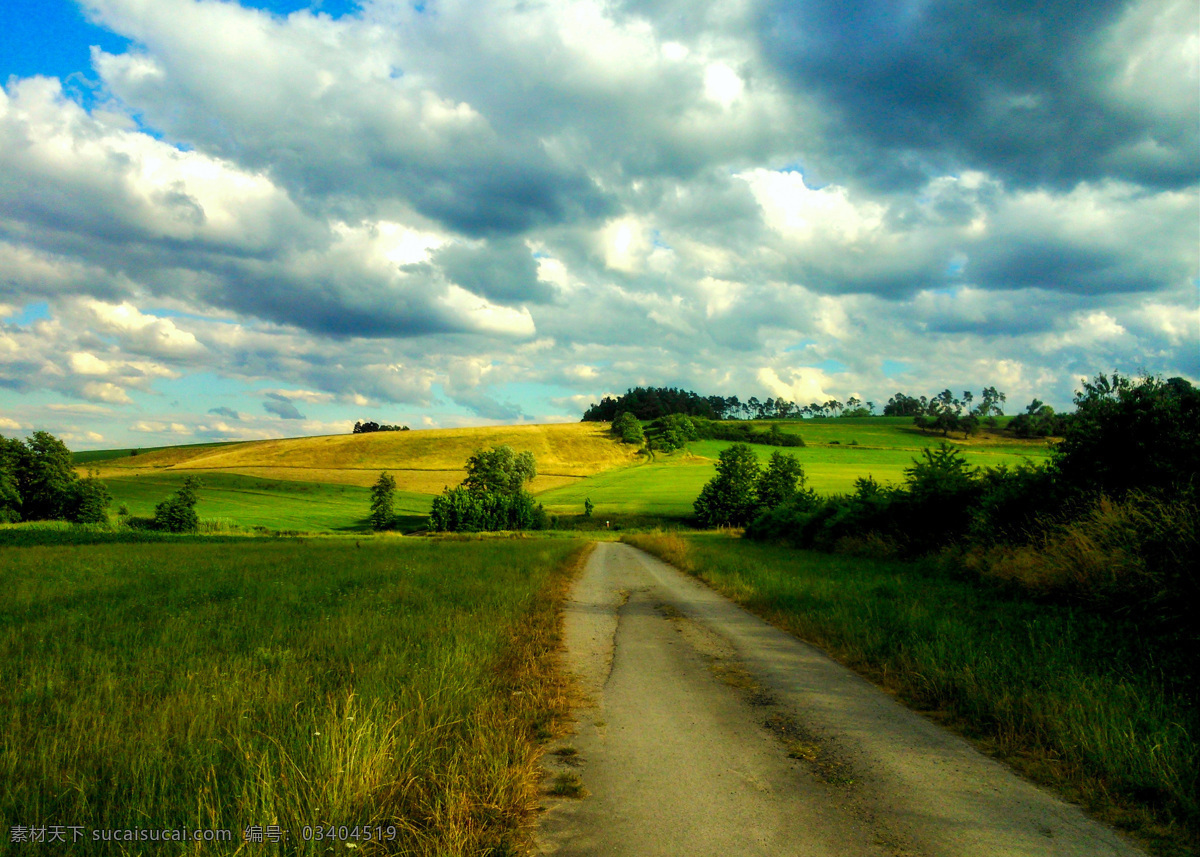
(802, 387)
(372, 211)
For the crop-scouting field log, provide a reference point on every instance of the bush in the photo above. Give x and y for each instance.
(672, 432)
(743, 432)
(629, 429)
(89, 502)
(462, 510)
(1134, 557)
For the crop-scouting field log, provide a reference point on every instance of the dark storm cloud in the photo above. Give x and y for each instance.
(504, 271)
(1022, 90)
(281, 407)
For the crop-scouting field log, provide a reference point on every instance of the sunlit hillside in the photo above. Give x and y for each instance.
(422, 461)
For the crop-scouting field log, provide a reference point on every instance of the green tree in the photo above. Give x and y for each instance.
(89, 501)
(1132, 434)
(781, 481)
(383, 496)
(499, 470)
(492, 497)
(629, 429)
(177, 513)
(45, 477)
(10, 492)
(588, 507)
(940, 472)
(730, 499)
(674, 432)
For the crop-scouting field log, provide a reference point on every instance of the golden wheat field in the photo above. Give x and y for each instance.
(422, 461)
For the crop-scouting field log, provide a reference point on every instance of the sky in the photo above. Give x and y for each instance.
(226, 221)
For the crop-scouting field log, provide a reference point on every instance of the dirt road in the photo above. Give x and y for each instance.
(711, 733)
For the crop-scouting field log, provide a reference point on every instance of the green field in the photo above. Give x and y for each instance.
(251, 501)
(1067, 696)
(837, 452)
(230, 683)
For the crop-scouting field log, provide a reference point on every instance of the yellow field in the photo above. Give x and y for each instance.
(421, 461)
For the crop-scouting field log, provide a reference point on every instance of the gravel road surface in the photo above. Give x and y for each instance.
(708, 732)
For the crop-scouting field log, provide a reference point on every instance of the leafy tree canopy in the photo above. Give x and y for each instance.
(1132, 434)
(730, 499)
(499, 470)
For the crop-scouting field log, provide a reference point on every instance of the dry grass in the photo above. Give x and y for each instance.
(423, 461)
(1135, 556)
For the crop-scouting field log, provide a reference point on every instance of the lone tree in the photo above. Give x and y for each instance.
(730, 499)
(383, 496)
(177, 513)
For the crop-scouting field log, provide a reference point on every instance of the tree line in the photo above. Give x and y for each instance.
(652, 403)
(38, 482)
(944, 412)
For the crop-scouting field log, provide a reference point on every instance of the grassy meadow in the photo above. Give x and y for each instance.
(1066, 696)
(386, 684)
(277, 504)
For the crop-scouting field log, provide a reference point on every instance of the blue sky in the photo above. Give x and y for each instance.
(262, 220)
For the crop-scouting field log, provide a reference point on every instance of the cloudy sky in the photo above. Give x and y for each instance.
(224, 220)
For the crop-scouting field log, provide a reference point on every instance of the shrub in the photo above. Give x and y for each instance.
(1134, 557)
(462, 510)
(673, 431)
(89, 502)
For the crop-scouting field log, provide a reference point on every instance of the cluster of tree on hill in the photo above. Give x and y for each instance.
(651, 403)
(492, 497)
(946, 412)
(1111, 520)
(38, 482)
(370, 426)
(675, 430)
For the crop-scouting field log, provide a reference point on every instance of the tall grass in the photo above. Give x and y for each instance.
(1135, 557)
(1070, 696)
(391, 684)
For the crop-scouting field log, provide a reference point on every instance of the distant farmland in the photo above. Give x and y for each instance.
(320, 483)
